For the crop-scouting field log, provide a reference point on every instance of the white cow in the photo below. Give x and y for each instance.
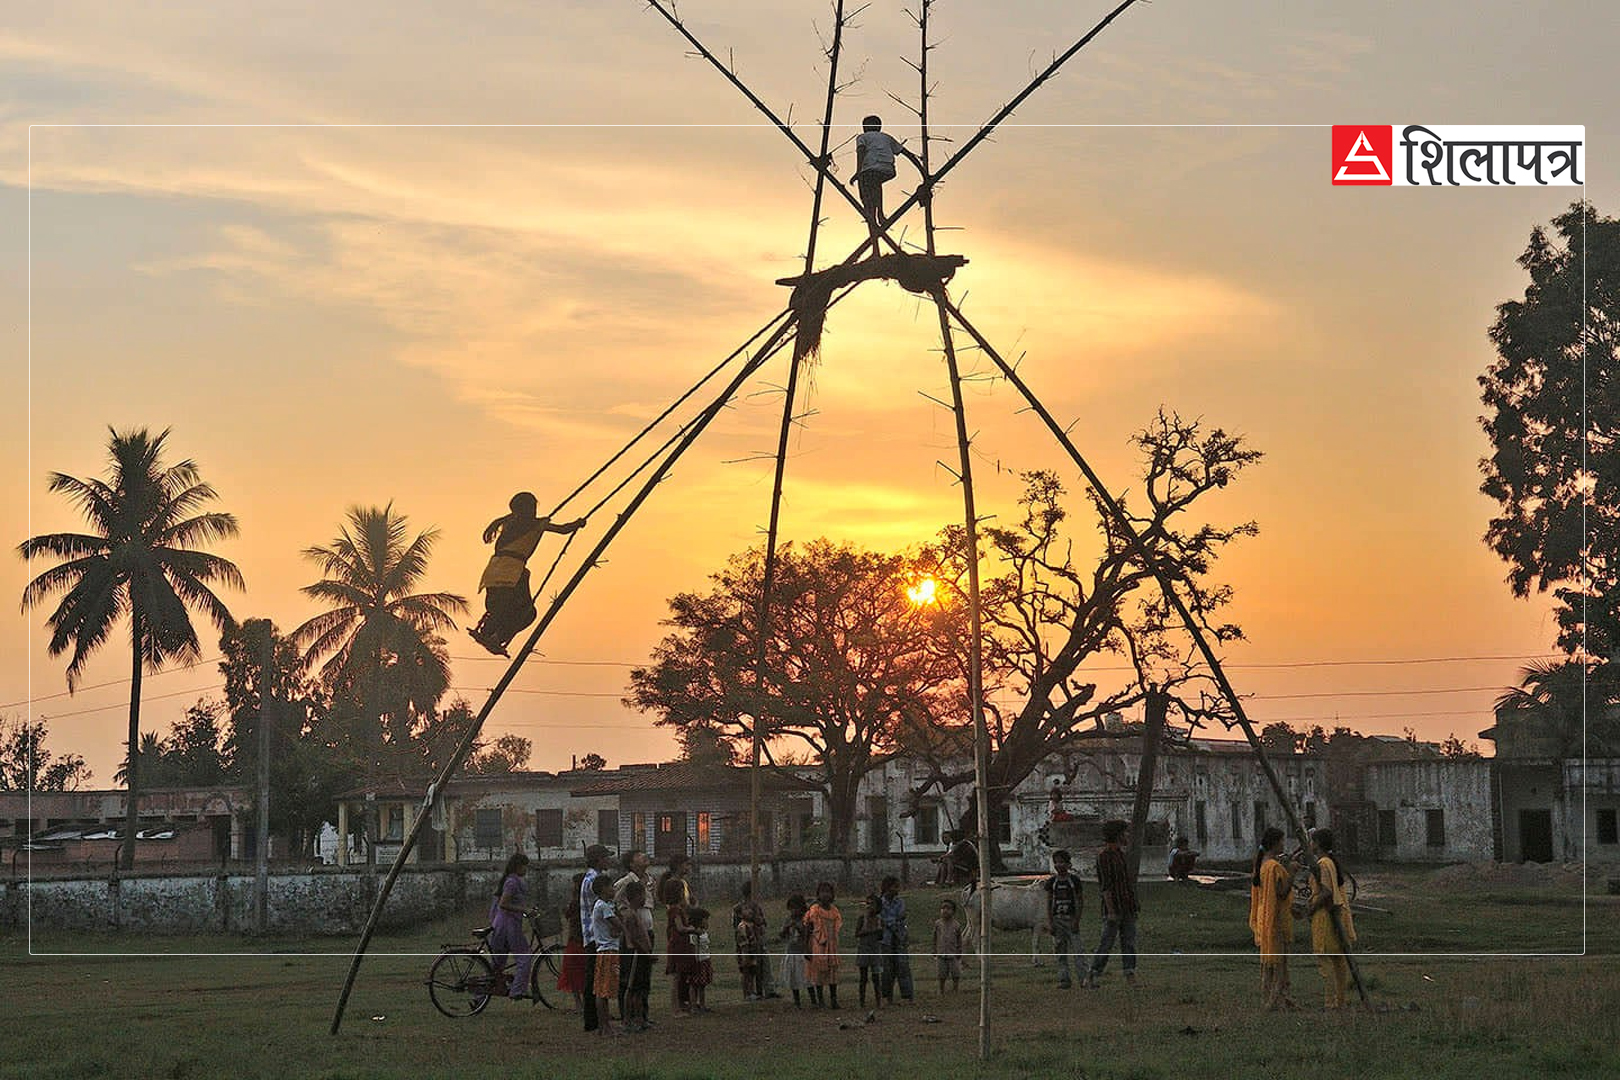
(1019, 903)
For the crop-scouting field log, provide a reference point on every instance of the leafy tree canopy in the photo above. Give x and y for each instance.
(1553, 420)
(26, 763)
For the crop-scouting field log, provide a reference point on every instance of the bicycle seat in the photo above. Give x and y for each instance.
(483, 932)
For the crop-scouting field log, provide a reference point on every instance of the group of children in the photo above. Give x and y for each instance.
(810, 960)
(611, 945)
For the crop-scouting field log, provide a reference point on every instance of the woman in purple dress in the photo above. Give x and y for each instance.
(506, 916)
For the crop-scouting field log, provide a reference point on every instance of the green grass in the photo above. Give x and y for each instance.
(267, 1014)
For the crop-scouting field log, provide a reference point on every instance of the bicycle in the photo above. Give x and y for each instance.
(463, 978)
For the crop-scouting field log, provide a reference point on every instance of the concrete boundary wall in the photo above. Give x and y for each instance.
(329, 901)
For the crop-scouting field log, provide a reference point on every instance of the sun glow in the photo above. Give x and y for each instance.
(923, 593)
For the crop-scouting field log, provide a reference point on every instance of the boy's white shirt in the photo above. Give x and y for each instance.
(608, 940)
(875, 152)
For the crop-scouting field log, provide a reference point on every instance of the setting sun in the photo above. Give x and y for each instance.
(922, 593)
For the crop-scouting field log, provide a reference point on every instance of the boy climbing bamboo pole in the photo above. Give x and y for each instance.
(875, 151)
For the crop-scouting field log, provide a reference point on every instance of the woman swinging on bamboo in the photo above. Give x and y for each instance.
(508, 604)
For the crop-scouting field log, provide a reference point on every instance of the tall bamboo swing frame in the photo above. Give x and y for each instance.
(765, 343)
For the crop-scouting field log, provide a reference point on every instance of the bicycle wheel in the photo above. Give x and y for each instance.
(544, 973)
(460, 982)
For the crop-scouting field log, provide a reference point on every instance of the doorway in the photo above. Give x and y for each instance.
(1535, 836)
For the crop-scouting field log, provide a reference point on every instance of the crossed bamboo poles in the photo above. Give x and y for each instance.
(776, 333)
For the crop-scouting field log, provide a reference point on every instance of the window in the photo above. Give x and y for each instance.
(1201, 822)
(396, 824)
(607, 828)
(704, 823)
(1259, 821)
(1310, 815)
(1386, 828)
(1435, 822)
(877, 824)
(803, 822)
(548, 828)
(671, 836)
(927, 827)
(487, 830)
(1002, 818)
(1608, 829)
(1237, 821)
(638, 831)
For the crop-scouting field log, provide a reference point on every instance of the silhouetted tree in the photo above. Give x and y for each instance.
(26, 764)
(1050, 611)
(1280, 738)
(312, 756)
(849, 661)
(141, 561)
(1552, 404)
(383, 664)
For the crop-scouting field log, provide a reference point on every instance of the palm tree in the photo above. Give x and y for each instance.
(151, 764)
(379, 645)
(140, 560)
(1554, 705)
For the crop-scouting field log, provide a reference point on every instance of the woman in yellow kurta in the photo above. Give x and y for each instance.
(826, 922)
(509, 607)
(1271, 918)
(1328, 903)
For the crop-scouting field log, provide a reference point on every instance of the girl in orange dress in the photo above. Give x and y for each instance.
(826, 922)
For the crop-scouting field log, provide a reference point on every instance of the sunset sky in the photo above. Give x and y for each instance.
(434, 254)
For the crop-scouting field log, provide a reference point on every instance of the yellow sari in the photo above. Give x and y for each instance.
(1270, 917)
(1330, 958)
(1324, 881)
(517, 542)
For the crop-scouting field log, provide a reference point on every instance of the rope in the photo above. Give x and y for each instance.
(661, 417)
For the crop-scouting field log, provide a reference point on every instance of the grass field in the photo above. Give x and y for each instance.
(266, 1013)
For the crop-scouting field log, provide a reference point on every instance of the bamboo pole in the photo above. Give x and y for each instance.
(261, 852)
(929, 181)
(435, 790)
(769, 575)
(964, 447)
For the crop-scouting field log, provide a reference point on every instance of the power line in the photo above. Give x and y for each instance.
(113, 682)
(543, 693)
(615, 694)
(1398, 662)
(569, 663)
(1271, 665)
(125, 705)
(1372, 693)
(1392, 663)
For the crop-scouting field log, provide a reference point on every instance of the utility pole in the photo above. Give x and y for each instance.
(264, 633)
